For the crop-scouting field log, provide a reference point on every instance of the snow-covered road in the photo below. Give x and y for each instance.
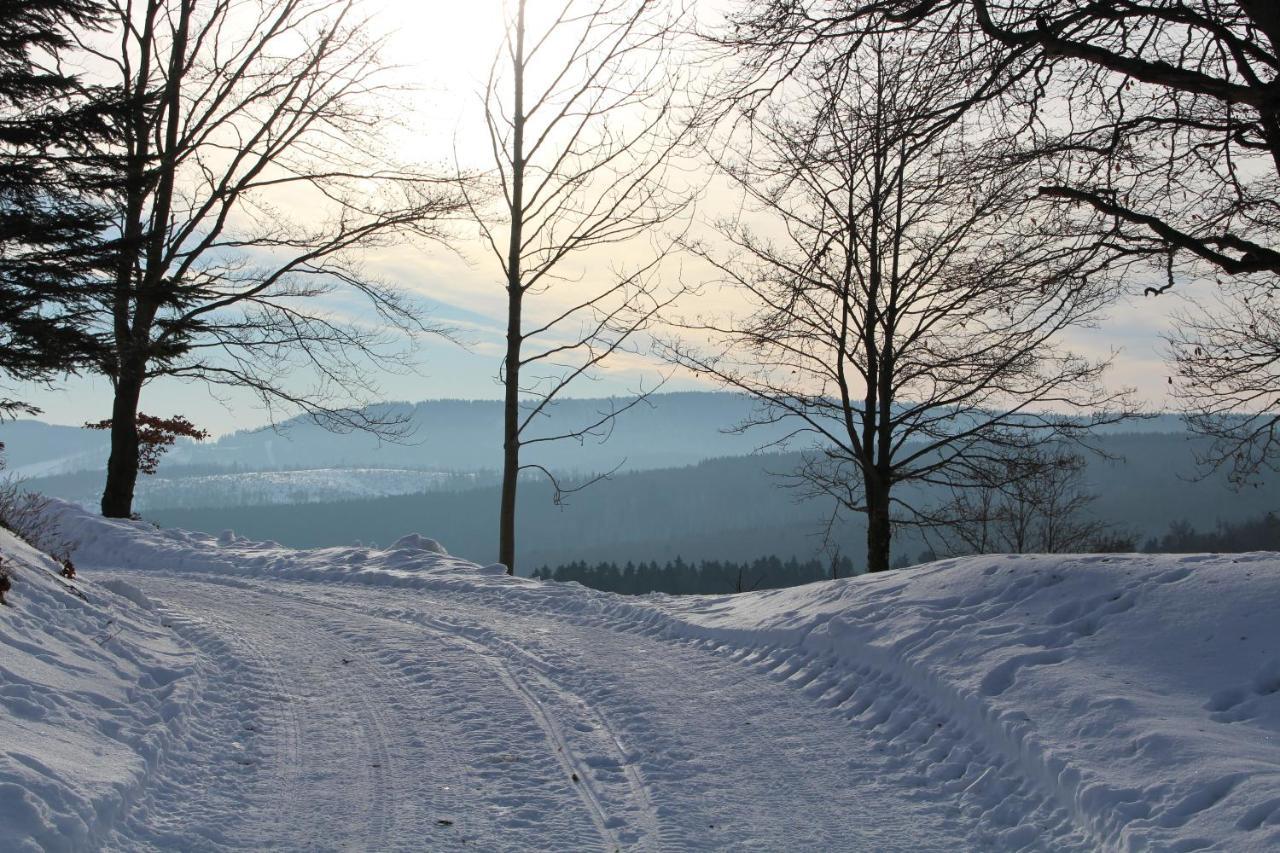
(193, 692)
(339, 718)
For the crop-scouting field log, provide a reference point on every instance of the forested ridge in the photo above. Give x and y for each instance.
(734, 509)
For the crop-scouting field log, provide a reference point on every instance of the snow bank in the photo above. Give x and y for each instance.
(120, 543)
(91, 689)
(1140, 692)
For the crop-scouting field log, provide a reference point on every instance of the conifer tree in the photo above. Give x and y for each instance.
(51, 126)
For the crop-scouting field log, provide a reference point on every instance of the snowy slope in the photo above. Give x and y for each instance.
(1030, 703)
(262, 488)
(91, 686)
(1142, 692)
(257, 488)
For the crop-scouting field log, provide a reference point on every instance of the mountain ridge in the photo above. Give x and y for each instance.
(668, 430)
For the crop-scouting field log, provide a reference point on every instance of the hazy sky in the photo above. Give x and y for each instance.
(445, 49)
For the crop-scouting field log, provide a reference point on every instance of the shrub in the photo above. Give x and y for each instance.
(26, 514)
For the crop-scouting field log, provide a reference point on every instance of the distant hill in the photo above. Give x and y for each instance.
(727, 509)
(34, 448)
(466, 435)
(687, 486)
(447, 435)
(450, 436)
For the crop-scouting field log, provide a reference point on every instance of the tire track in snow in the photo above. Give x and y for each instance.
(884, 738)
(296, 778)
(541, 711)
(546, 703)
(564, 753)
(229, 710)
(564, 704)
(687, 667)
(372, 796)
(977, 791)
(280, 722)
(388, 681)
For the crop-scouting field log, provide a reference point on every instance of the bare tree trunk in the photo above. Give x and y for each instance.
(511, 441)
(122, 466)
(572, 183)
(879, 526)
(127, 376)
(131, 369)
(515, 298)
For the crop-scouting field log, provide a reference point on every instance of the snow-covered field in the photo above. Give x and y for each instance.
(216, 693)
(266, 488)
(257, 488)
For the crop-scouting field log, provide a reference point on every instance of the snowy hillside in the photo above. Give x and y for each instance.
(241, 489)
(457, 435)
(95, 693)
(674, 429)
(404, 699)
(263, 488)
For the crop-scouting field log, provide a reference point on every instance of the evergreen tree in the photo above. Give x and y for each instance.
(680, 578)
(51, 126)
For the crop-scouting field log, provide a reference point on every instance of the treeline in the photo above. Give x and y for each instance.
(712, 577)
(707, 577)
(1254, 534)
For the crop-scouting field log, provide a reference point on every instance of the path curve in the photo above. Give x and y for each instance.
(340, 717)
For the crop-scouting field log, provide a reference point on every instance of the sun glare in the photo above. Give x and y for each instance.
(443, 51)
(452, 41)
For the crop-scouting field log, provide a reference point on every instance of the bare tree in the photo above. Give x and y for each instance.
(584, 114)
(907, 317)
(1172, 122)
(1226, 357)
(1161, 115)
(1033, 502)
(239, 113)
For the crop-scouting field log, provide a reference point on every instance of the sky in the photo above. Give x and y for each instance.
(443, 50)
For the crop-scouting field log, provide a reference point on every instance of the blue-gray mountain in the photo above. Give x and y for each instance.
(687, 488)
(452, 435)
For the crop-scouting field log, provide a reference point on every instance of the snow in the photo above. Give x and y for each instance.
(91, 689)
(252, 488)
(61, 465)
(259, 488)
(255, 696)
(1141, 692)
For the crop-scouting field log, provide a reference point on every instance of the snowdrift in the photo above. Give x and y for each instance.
(1142, 692)
(92, 688)
(114, 543)
(1139, 693)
